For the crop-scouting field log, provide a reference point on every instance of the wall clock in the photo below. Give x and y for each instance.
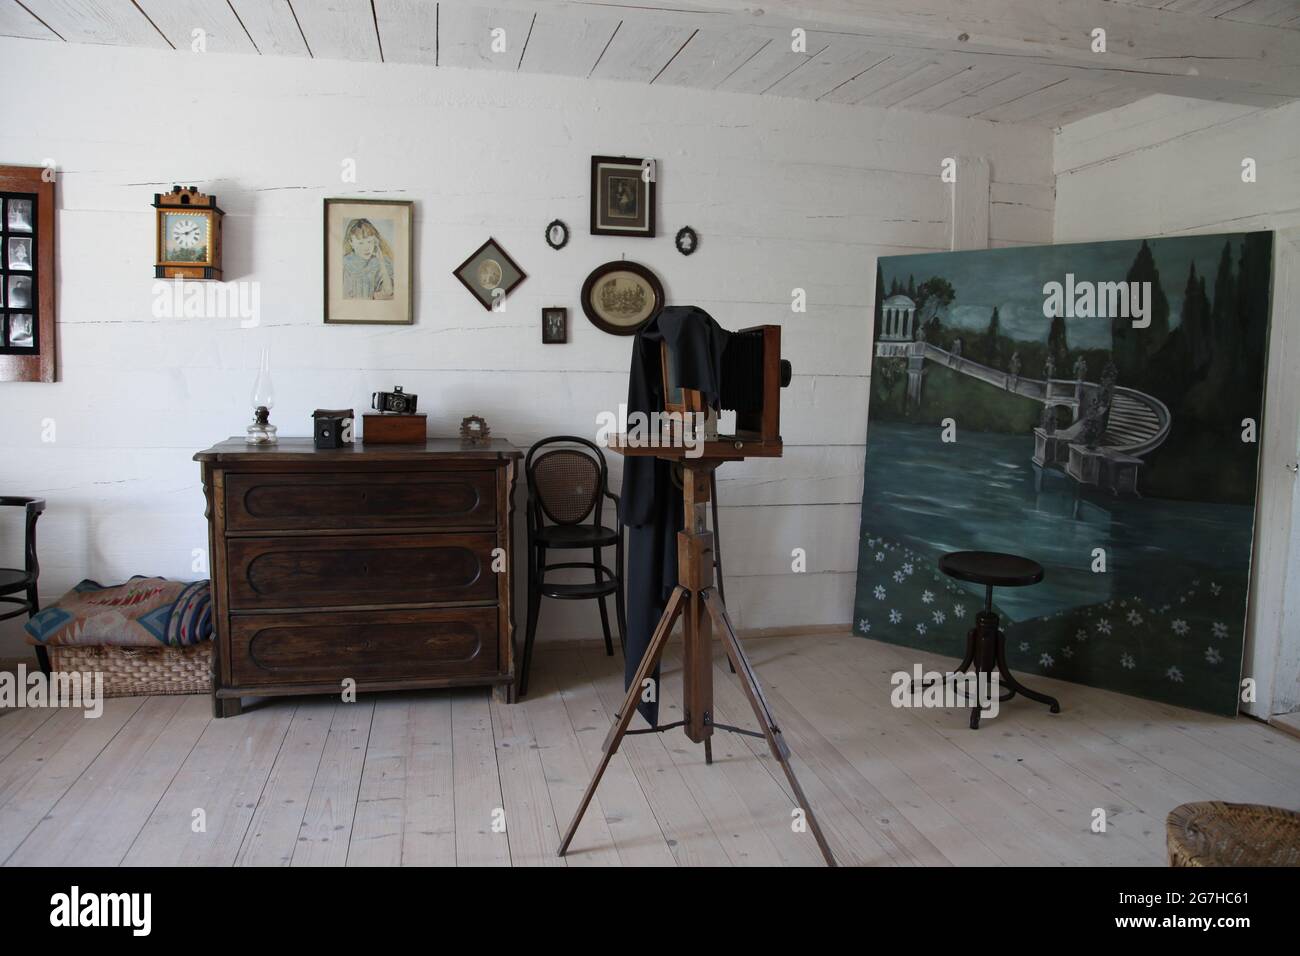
(187, 235)
(619, 297)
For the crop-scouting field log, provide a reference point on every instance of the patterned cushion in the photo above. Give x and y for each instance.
(143, 612)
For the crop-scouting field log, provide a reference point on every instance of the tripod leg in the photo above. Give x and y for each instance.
(754, 692)
(717, 555)
(624, 717)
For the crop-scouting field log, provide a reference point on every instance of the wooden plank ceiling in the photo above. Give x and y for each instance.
(1015, 61)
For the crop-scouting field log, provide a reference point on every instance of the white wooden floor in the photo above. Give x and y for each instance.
(422, 778)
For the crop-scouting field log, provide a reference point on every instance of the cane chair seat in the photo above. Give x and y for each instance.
(576, 536)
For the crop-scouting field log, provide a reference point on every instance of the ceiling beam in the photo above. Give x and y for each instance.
(1159, 51)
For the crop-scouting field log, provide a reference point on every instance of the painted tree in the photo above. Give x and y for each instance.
(1058, 348)
(1132, 348)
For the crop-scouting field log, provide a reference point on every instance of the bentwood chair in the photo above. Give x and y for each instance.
(16, 581)
(568, 483)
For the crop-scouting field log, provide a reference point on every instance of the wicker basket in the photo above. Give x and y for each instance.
(1232, 834)
(133, 671)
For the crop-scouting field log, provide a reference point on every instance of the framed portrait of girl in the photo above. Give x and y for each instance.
(368, 262)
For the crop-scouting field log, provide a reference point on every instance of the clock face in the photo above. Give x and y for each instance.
(185, 238)
(185, 234)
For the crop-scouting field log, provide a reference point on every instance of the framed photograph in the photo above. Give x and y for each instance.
(20, 335)
(19, 293)
(490, 275)
(620, 297)
(622, 202)
(27, 315)
(369, 266)
(555, 326)
(20, 253)
(557, 234)
(19, 214)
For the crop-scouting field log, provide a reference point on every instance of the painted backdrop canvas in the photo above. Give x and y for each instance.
(1095, 407)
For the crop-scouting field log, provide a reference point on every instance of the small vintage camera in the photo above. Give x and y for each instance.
(332, 428)
(397, 402)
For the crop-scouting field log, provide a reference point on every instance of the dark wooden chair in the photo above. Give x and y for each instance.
(568, 483)
(15, 581)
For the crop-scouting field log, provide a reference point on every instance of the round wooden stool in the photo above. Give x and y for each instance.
(986, 642)
(1214, 833)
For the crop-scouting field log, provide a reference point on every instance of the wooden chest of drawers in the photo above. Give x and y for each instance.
(389, 566)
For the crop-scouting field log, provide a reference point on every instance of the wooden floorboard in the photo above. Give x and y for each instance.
(455, 778)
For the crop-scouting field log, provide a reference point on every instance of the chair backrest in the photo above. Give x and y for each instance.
(566, 482)
(34, 507)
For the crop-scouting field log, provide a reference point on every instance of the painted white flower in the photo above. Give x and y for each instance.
(1123, 603)
(1134, 617)
(864, 625)
(920, 628)
(1220, 630)
(1175, 675)
(898, 577)
(1103, 626)
(1024, 645)
(927, 597)
(1180, 626)
(939, 616)
(879, 592)
(1126, 660)
(959, 611)
(895, 617)
(1046, 660)
(1182, 600)
(1196, 582)
(1081, 635)
(1212, 655)
(1215, 588)
(880, 555)
(907, 568)
(1068, 651)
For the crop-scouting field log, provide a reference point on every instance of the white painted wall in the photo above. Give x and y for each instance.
(1170, 166)
(783, 193)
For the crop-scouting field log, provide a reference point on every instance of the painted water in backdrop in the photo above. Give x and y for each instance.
(1070, 437)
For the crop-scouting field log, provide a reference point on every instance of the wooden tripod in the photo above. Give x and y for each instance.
(694, 597)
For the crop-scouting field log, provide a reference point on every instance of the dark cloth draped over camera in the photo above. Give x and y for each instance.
(651, 502)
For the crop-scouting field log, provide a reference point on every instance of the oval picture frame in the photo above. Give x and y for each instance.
(605, 317)
(687, 241)
(564, 234)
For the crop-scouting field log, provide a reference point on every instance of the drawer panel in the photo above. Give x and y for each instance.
(363, 645)
(334, 571)
(306, 502)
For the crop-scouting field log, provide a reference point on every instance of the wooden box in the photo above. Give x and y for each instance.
(372, 563)
(390, 429)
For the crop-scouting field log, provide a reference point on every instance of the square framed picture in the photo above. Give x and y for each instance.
(622, 201)
(490, 275)
(369, 267)
(555, 326)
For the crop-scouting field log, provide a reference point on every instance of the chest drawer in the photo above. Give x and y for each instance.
(361, 501)
(343, 570)
(367, 645)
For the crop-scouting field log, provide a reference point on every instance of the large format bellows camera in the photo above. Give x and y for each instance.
(753, 373)
(396, 402)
